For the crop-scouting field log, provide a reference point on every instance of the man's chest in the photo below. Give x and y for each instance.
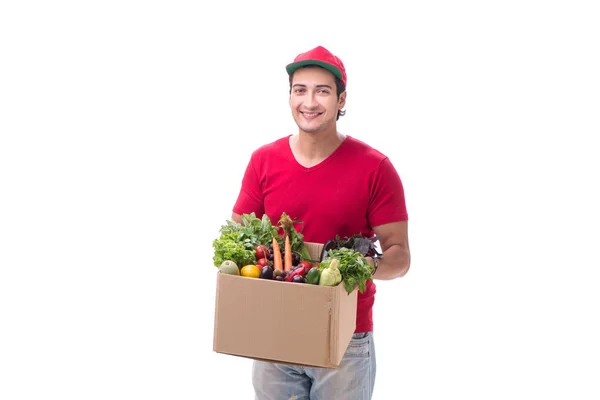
(327, 205)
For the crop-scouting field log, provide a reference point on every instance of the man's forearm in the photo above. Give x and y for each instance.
(394, 264)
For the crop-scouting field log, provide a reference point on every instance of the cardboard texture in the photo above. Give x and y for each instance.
(291, 323)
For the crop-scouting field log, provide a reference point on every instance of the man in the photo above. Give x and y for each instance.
(336, 185)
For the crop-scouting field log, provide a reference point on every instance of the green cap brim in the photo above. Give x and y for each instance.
(294, 66)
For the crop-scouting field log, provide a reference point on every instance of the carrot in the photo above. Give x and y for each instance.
(287, 263)
(277, 262)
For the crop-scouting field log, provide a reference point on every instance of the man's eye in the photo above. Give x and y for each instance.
(298, 90)
(324, 91)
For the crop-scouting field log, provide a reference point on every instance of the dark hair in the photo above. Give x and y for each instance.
(339, 89)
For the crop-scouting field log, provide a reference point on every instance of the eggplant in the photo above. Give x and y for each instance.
(329, 245)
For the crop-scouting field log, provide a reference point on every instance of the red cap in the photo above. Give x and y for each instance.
(323, 58)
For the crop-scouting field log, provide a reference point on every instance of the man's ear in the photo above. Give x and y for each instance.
(342, 100)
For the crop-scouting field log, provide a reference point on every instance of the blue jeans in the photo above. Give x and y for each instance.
(354, 379)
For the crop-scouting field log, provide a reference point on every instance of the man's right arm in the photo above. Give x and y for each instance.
(235, 217)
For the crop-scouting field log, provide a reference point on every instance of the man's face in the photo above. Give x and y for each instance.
(313, 99)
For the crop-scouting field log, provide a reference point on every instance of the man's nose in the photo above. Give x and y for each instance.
(310, 100)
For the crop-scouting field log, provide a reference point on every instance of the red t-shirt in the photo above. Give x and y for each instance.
(353, 190)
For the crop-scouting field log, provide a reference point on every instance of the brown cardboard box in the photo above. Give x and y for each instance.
(291, 323)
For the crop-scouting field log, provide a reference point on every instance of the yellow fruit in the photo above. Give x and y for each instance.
(251, 271)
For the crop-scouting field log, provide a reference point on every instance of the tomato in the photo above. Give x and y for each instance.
(262, 251)
(262, 262)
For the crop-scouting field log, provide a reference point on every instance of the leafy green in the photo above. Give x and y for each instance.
(355, 269)
(252, 231)
(237, 242)
(228, 247)
(364, 245)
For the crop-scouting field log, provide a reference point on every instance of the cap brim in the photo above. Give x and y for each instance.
(294, 66)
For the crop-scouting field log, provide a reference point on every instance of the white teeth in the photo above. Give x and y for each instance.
(311, 115)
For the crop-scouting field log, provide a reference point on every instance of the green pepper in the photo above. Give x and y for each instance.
(313, 276)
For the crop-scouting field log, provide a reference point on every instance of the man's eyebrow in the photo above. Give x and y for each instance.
(319, 86)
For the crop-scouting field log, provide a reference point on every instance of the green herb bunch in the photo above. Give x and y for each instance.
(237, 242)
(355, 268)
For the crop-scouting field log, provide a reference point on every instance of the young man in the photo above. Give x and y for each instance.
(336, 185)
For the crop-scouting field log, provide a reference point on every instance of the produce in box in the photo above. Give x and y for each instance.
(257, 245)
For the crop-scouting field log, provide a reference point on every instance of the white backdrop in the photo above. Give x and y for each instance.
(125, 127)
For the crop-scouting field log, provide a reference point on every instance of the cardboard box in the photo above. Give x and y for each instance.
(284, 322)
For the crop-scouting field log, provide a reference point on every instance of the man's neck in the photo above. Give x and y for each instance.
(312, 148)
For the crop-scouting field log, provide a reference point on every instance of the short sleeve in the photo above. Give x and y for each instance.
(387, 202)
(250, 198)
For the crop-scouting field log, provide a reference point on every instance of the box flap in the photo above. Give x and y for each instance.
(345, 320)
(314, 250)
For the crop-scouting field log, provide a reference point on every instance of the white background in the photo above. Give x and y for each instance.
(125, 127)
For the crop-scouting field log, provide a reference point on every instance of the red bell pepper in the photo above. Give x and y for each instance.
(298, 271)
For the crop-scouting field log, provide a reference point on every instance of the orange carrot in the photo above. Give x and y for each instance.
(287, 263)
(277, 262)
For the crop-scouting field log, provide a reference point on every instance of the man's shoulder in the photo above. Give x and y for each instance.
(270, 151)
(364, 149)
(274, 146)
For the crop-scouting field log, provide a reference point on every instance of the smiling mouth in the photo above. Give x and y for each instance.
(311, 114)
